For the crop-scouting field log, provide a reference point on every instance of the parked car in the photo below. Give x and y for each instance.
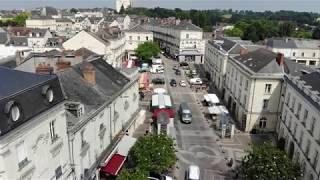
(183, 64)
(158, 81)
(183, 83)
(175, 67)
(195, 81)
(178, 72)
(144, 67)
(173, 83)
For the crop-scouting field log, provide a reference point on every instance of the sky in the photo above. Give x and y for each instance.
(256, 5)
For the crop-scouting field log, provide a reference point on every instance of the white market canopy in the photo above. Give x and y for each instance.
(159, 91)
(125, 145)
(211, 98)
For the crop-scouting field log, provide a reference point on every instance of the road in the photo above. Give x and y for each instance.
(196, 142)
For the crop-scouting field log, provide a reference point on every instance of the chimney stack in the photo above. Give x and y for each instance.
(243, 51)
(89, 73)
(43, 68)
(61, 64)
(280, 59)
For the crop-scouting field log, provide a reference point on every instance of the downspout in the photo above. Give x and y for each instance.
(278, 109)
(254, 87)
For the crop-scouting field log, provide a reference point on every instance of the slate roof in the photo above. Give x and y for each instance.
(108, 83)
(187, 26)
(260, 61)
(293, 43)
(19, 41)
(18, 81)
(294, 69)
(3, 36)
(97, 37)
(312, 80)
(64, 20)
(137, 28)
(94, 20)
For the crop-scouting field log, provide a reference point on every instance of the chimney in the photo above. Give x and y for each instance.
(280, 59)
(43, 68)
(89, 73)
(61, 64)
(243, 51)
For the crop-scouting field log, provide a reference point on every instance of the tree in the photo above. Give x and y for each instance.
(267, 162)
(20, 19)
(122, 10)
(146, 50)
(133, 174)
(316, 33)
(286, 29)
(153, 153)
(234, 32)
(250, 33)
(74, 10)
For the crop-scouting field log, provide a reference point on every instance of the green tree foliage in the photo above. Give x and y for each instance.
(286, 29)
(302, 34)
(134, 174)
(153, 153)
(234, 32)
(146, 50)
(122, 10)
(20, 19)
(267, 162)
(316, 33)
(74, 10)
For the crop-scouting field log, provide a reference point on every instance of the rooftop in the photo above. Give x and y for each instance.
(293, 43)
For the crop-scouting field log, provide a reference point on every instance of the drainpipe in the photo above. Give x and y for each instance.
(278, 108)
(254, 87)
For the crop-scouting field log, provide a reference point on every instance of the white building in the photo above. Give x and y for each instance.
(97, 95)
(64, 25)
(302, 51)
(38, 38)
(89, 13)
(125, 3)
(217, 53)
(298, 130)
(135, 36)
(109, 43)
(253, 89)
(33, 142)
(120, 21)
(183, 41)
(81, 23)
(42, 22)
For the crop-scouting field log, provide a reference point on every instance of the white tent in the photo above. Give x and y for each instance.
(125, 145)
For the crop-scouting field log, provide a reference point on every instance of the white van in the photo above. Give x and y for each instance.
(193, 172)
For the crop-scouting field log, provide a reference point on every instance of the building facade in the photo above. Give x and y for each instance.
(253, 88)
(297, 131)
(135, 36)
(183, 41)
(42, 22)
(302, 51)
(33, 142)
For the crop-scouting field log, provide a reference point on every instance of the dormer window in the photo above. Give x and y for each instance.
(15, 113)
(47, 92)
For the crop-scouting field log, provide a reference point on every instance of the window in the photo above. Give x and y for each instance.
(241, 78)
(22, 156)
(263, 122)
(302, 54)
(58, 172)
(15, 113)
(187, 36)
(244, 100)
(288, 99)
(305, 116)
(247, 85)
(294, 54)
(130, 38)
(267, 88)
(53, 134)
(298, 110)
(126, 105)
(147, 38)
(315, 159)
(314, 54)
(265, 104)
(295, 130)
(83, 142)
(308, 148)
(312, 63)
(138, 38)
(301, 137)
(313, 123)
(293, 104)
(284, 117)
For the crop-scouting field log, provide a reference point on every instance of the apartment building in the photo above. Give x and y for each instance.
(135, 36)
(42, 22)
(302, 51)
(182, 40)
(253, 89)
(33, 138)
(298, 130)
(217, 53)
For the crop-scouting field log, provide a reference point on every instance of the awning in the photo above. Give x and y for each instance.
(159, 91)
(214, 110)
(211, 98)
(114, 165)
(170, 112)
(125, 145)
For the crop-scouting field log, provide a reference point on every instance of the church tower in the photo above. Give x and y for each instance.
(125, 3)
